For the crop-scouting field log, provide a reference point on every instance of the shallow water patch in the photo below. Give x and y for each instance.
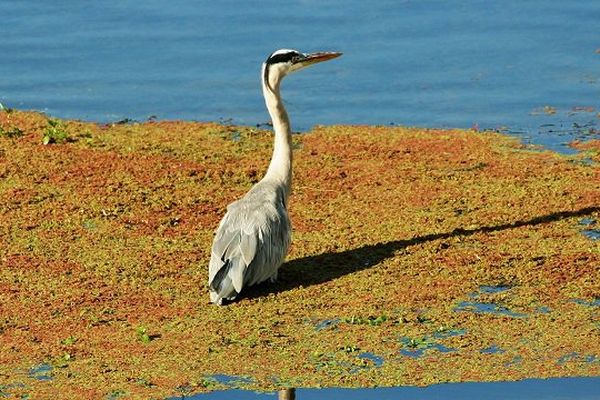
(587, 161)
(593, 234)
(590, 232)
(418, 347)
(325, 323)
(348, 360)
(587, 221)
(418, 352)
(236, 136)
(5, 390)
(587, 303)
(577, 357)
(228, 381)
(41, 372)
(369, 357)
(493, 349)
(444, 333)
(485, 307)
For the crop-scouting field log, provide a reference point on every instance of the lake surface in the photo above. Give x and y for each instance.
(490, 65)
(530, 389)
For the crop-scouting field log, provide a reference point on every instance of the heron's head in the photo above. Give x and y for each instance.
(285, 61)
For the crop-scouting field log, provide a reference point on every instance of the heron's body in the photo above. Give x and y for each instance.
(253, 238)
(251, 241)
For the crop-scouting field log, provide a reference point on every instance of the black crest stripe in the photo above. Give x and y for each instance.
(282, 57)
(266, 76)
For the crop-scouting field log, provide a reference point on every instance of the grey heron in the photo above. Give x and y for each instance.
(253, 237)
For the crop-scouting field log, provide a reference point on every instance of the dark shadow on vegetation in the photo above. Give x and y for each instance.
(325, 267)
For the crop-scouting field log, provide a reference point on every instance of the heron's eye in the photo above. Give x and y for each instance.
(295, 59)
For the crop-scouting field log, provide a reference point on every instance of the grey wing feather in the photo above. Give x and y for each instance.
(250, 245)
(226, 255)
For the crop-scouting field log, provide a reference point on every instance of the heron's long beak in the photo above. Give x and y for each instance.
(314, 58)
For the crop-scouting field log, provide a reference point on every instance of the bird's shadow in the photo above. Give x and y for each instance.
(314, 270)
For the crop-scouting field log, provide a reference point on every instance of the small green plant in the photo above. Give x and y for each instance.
(115, 394)
(349, 349)
(69, 341)
(12, 132)
(143, 336)
(371, 321)
(55, 132)
(418, 343)
(7, 110)
(144, 382)
(63, 360)
(208, 382)
(423, 319)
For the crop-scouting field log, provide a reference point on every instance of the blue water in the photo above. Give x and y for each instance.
(493, 349)
(534, 389)
(419, 347)
(487, 307)
(42, 372)
(423, 62)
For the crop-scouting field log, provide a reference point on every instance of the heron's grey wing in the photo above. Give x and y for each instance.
(233, 249)
(249, 246)
(273, 240)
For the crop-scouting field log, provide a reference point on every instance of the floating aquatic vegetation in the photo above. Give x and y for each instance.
(346, 361)
(485, 289)
(111, 232)
(115, 395)
(11, 132)
(55, 132)
(371, 321)
(515, 361)
(548, 110)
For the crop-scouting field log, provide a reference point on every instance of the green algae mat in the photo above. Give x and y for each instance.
(418, 256)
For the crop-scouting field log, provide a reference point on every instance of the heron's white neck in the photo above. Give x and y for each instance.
(280, 169)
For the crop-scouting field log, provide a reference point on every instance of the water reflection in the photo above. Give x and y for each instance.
(287, 394)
